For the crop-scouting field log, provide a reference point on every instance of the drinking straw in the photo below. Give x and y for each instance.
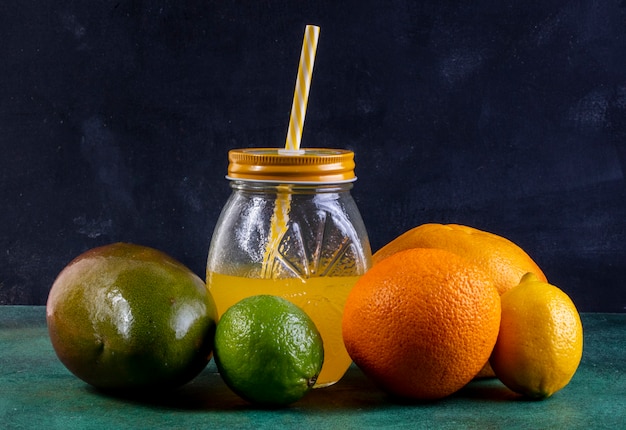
(278, 228)
(280, 216)
(303, 85)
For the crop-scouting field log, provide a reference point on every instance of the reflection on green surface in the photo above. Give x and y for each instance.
(36, 391)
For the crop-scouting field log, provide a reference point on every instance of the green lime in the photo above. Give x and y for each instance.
(125, 316)
(268, 350)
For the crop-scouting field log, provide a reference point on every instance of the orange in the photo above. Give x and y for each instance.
(422, 322)
(540, 343)
(128, 317)
(504, 261)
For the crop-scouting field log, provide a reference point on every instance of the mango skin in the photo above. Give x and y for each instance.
(129, 317)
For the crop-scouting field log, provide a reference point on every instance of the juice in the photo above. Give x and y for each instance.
(322, 298)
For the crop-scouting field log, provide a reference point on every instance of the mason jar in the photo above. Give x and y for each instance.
(291, 228)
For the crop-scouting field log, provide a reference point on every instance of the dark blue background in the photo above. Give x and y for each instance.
(116, 118)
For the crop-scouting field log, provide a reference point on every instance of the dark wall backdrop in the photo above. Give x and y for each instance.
(116, 118)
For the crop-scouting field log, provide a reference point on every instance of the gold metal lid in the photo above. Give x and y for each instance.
(310, 165)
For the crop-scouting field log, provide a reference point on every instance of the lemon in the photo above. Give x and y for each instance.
(268, 350)
(540, 343)
(125, 316)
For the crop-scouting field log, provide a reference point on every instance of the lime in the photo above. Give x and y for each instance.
(268, 350)
(124, 316)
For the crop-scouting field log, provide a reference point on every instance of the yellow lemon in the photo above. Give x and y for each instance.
(540, 342)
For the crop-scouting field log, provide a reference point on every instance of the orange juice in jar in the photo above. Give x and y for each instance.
(291, 228)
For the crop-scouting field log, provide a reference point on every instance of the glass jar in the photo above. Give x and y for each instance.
(291, 228)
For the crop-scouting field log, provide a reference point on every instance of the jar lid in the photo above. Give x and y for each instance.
(311, 165)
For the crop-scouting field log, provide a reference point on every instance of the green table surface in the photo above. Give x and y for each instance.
(36, 391)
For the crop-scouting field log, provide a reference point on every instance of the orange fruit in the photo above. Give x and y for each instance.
(422, 322)
(128, 317)
(504, 261)
(540, 343)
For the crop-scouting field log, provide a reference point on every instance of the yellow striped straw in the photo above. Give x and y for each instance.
(278, 228)
(303, 85)
(280, 217)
